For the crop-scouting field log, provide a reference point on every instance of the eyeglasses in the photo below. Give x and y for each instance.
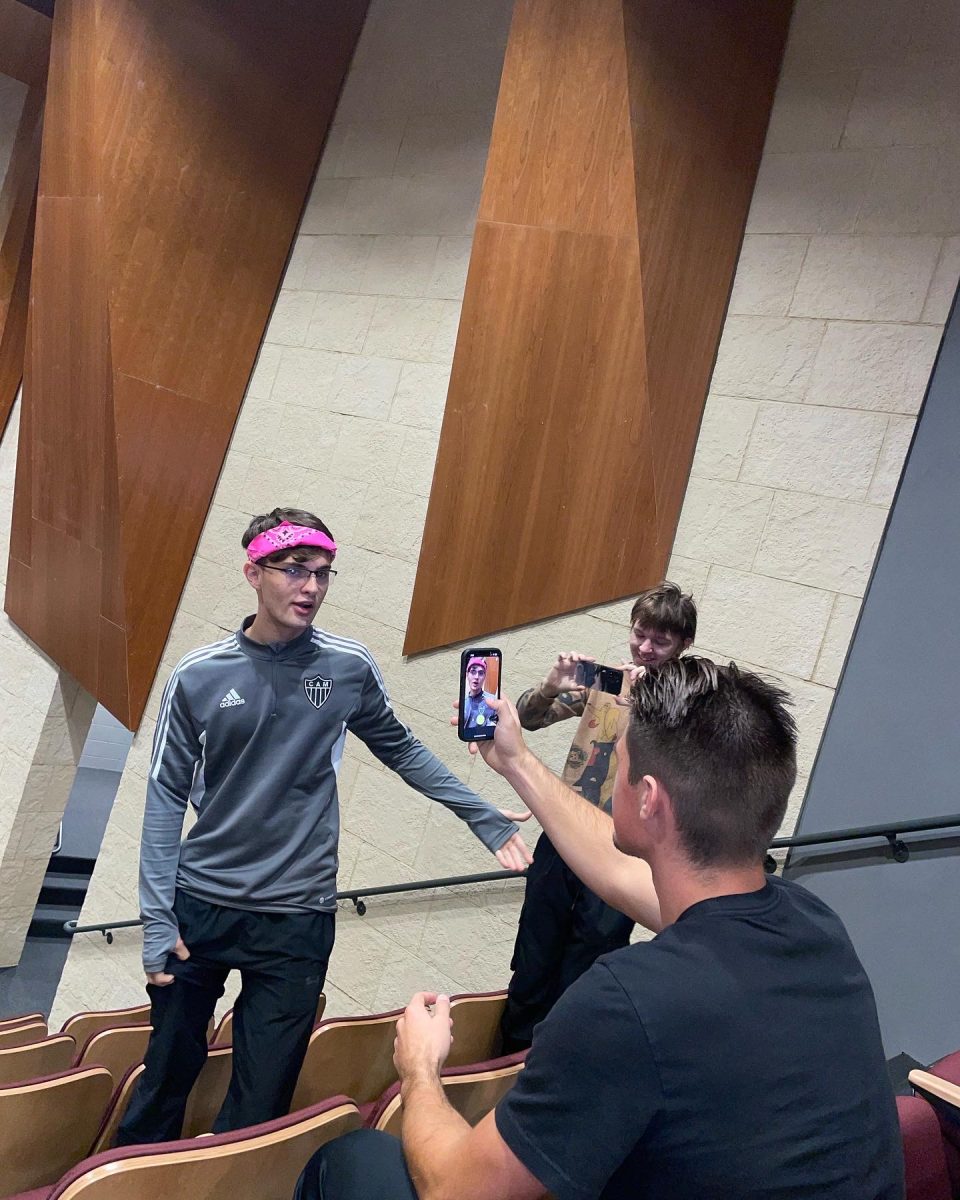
(300, 575)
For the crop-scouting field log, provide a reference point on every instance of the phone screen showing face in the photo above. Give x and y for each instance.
(479, 681)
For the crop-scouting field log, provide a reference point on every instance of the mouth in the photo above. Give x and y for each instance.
(304, 607)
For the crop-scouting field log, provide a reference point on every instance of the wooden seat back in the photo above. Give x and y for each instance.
(116, 1109)
(224, 1032)
(47, 1126)
(116, 1049)
(22, 1019)
(476, 1027)
(209, 1092)
(82, 1026)
(24, 1034)
(262, 1166)
(53, 1054)
(475, 1094)
(348, 1057)
(471, 1093)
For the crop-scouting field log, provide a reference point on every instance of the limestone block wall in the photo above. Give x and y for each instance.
(851, 256)
(849, 264)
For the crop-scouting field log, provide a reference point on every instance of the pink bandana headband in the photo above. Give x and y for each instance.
(284, 537)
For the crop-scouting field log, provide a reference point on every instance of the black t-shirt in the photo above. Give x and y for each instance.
(734, 1057)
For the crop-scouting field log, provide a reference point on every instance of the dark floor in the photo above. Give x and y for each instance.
(32, 984)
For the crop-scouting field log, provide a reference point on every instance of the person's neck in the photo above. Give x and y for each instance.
(679, 885)
(264, 630)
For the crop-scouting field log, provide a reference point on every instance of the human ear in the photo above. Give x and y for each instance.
(252, 574)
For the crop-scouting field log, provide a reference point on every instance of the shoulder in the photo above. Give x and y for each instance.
(204, 661)
(352, 653)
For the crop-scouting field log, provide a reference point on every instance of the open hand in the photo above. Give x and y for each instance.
(161, 978)
(423, 1036)
(513, 855)
(562, 676)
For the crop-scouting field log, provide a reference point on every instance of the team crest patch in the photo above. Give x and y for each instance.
(317, 689)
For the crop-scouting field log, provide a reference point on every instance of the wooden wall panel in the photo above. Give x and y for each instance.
(24, 43)
(624, 152)
(24, 53)
(179, 146)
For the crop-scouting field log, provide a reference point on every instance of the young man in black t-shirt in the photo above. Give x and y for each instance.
(737, 1056)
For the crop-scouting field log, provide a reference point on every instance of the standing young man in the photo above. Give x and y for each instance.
(251, 730)
(564, 926)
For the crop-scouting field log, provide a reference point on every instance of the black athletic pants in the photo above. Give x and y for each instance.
(563, 930)
(364, 1165)
(282, 959)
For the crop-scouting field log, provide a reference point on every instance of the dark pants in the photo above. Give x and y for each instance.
(282, 959)
(364, 1165)
(563, 930)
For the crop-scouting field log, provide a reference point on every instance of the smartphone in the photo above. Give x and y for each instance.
(606, 679)
(479, 679)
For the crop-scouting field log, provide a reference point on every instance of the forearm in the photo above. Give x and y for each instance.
(583, 837)
(433, 1138)
(538, 707)
(159, 858)
(424, 772)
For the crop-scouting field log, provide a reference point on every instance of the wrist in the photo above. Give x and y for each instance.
(519, 770)
(421, 1077)
(548, 692)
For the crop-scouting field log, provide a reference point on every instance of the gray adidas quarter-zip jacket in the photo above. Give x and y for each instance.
(253, 736)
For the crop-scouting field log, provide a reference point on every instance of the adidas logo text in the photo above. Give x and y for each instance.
(232, 699)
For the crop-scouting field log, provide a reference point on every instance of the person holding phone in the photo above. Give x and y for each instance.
(564, 926)
(251, 732)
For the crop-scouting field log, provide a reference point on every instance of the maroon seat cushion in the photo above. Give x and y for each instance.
(948, 1068)
(35, 1194)
(924, 1159)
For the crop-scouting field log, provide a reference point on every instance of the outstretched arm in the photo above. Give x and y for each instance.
(581, 833)
(391, 741)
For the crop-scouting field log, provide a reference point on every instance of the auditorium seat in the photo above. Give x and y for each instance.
(208, 1092)
(82, 1026)
(349, 1057)
(116, 1049)
(259, 1163)
(941, 1086)
(476, 1027)
(115, 1110)
(923, 1151)
(224, 1033)
(472, 1091)
(21, 1019)
(202, 1107)
(48, 1125)
(22, 1033)
(46, 1057)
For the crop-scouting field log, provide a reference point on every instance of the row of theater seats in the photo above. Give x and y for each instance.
(56, 1125)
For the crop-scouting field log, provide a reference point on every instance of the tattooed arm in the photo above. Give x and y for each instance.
(558, 697)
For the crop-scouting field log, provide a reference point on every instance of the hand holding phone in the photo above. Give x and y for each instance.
(479, 680)
(605, 679)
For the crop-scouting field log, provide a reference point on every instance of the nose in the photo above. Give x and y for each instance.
(646, 646)
(310, 585)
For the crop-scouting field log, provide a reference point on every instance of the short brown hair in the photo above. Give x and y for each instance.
(666, 609)
(296, 516)
(722, 743)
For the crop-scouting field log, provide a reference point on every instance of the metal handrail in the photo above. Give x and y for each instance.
(892, 831)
